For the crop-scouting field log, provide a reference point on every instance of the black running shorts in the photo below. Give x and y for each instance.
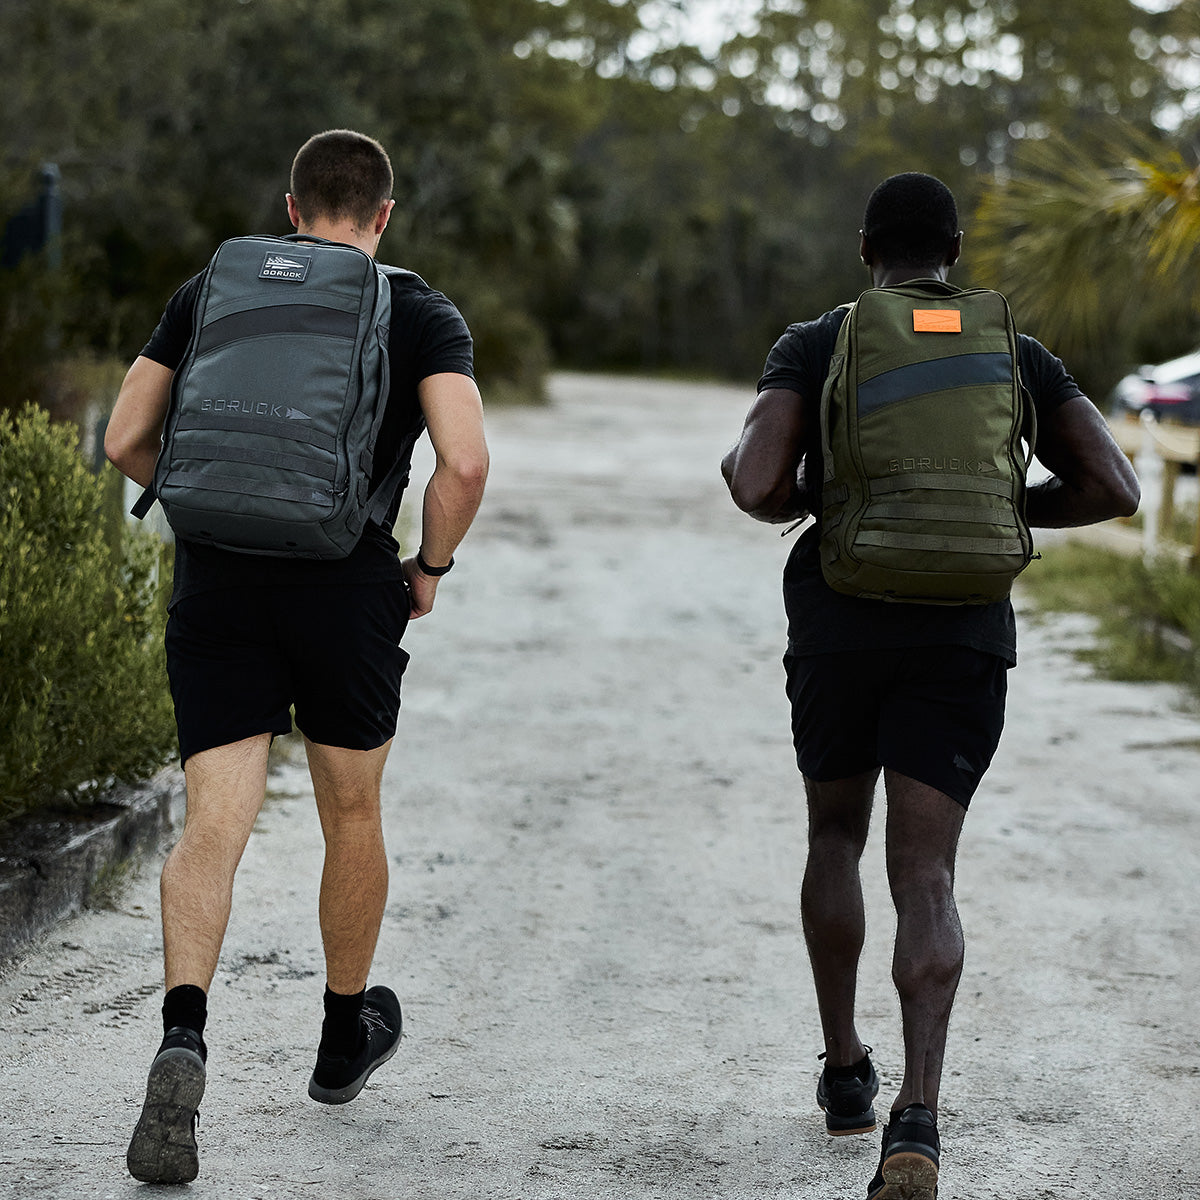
(239, 659)
(933, 713)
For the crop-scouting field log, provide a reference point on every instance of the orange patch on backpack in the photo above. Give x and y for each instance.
(937, 320)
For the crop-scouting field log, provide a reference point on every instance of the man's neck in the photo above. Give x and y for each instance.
(341, 231)
(882, 276)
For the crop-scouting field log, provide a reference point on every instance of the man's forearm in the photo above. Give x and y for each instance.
(133, 438)
(452, 499)
(1053, 504)
(138, 464)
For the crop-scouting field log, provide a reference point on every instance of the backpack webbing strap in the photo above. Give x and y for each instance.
(144, 501)
(938, 512)
(947, 543)
(211, 482)
(941, 483)
(395, 478)
(265, 458)
(295, 431)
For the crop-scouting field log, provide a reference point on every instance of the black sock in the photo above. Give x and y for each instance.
(187, 1006)
(341, 1033)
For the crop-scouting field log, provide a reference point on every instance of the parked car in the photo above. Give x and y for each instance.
(1170, 390)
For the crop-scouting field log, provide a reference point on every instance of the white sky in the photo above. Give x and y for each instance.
(703, 23)
(707, 23)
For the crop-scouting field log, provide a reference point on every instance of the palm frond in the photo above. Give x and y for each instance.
(1088, 241)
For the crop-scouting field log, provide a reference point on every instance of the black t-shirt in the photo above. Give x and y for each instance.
(821, 620)
(428, 336)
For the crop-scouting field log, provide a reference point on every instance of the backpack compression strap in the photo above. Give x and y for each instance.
(144, 501)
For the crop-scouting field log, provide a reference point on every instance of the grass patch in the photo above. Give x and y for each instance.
(1149, 615)
(111, 884)
(1182, 527)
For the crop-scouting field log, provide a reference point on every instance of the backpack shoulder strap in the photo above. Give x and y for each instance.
(400, 273)
(144, 502)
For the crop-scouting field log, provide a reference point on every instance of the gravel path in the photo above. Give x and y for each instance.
(596, 831)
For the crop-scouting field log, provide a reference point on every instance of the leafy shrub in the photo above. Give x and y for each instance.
(83, 696)
(1149, 613)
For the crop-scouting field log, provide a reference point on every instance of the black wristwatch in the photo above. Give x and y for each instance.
(432, 572)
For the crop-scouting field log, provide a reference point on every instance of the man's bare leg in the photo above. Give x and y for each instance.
(361, 1030)
(225, 791)
(923, 827)
(831, 905)
(355, 879)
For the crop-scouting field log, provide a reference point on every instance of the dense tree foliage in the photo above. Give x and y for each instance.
(581, 186)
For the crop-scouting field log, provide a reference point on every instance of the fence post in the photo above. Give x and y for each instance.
(1194, 562)
(1150, 472)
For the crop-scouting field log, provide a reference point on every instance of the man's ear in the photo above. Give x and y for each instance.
(293, 211)
(955, 249)
(383, 216)
(864, 249)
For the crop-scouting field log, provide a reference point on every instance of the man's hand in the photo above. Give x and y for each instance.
(422, 588)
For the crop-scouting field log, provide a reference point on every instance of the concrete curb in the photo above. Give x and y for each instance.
(50, 865)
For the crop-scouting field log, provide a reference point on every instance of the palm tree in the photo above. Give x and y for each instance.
(1097, 248)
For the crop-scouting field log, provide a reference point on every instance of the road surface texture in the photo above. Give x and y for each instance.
(596, 830)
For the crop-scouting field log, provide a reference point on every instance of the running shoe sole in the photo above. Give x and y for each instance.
(908, 1175)
(344, 1095)
(163, 1146)
(863, 1122)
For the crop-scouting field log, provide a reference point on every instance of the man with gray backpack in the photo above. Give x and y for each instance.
(904, 423)
(273, 413)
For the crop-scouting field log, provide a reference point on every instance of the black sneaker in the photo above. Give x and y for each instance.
(163, 1146)
(336, 1080)
(847, 1101)
(908, 1161)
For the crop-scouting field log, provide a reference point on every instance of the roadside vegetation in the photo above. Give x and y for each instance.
(82, 677)
(1148, 615)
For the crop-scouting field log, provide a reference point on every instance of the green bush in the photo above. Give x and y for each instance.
(83, 696)
(1149, 614)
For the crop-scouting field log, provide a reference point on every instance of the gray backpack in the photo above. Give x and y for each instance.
(269, 441)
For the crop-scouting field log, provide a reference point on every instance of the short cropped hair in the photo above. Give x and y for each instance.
(911, 221)
(340, 174)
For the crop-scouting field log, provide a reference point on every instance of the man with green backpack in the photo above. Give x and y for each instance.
(904, 423)
(273, 414)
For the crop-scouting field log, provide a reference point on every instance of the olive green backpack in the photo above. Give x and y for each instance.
(926, 434)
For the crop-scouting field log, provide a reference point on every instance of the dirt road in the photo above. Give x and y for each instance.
(596, 830)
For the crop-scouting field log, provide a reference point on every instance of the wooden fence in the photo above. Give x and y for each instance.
(1175, 446)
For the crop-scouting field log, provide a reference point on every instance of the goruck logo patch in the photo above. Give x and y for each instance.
(290, 267)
